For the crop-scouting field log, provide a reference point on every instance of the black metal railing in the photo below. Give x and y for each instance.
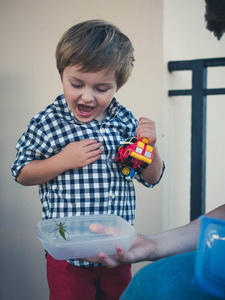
(198, 92)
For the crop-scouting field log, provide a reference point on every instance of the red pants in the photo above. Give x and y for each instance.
(69, 282)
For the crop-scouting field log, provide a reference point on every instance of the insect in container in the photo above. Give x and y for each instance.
(62, 229)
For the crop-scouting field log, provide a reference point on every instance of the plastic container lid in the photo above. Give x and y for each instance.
(77, 241)
(210, 258)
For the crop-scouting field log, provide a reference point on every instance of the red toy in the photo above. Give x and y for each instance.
(134, 154)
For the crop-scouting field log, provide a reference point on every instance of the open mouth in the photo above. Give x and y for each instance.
(85, 110)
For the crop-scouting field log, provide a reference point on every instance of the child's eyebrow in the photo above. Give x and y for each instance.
(108, 83)
(74, 78)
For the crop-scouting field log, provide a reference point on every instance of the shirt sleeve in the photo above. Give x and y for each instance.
(32, 145)
(140, 179)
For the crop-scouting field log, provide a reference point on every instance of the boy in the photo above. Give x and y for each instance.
(70, 147)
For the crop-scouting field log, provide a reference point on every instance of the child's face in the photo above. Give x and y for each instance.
(88, 95)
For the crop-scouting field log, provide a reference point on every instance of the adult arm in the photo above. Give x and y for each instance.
(154, 247)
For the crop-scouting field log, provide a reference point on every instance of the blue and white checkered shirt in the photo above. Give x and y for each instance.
(99, 188)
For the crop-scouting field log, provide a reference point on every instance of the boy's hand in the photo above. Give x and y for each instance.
(80, 154)
(146, 129)
(74, 155)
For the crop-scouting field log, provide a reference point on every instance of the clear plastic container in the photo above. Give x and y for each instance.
(210, 257)
(77, 240)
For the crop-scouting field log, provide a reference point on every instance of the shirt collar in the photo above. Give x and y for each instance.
(113, 108)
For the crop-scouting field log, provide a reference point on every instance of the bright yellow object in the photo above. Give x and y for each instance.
(141, 157)
(126, 171)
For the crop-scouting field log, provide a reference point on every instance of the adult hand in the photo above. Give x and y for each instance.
(142, 248)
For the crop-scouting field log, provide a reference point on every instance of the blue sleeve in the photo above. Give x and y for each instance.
(32, 145)
(140, 179)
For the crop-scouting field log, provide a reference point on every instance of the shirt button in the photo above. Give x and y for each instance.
(113, 195)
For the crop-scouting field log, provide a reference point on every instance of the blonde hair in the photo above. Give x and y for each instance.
(96, 45)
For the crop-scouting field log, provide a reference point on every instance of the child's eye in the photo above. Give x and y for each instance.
(77, 86)
(102, 90)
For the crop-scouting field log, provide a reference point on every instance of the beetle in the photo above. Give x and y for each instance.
(62, 229)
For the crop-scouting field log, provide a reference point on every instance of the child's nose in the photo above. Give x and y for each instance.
(88, 95)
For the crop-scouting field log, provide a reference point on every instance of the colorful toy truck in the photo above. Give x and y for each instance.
(134, 154)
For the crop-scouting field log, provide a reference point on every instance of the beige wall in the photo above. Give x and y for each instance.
(29, 81)
(185, 38)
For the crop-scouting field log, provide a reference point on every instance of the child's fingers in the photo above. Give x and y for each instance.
(146, 129)
(90, 144)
